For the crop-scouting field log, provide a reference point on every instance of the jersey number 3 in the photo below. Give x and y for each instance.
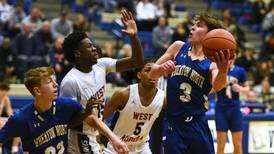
(186, 91)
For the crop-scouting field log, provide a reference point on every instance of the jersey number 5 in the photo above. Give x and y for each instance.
(138, 128)
(186, 91)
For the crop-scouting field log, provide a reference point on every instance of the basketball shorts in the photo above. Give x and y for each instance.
(141, 148)
(188, 135)
(228, 118)
(82, 144)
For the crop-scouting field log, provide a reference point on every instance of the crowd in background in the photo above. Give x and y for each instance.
(29, 39)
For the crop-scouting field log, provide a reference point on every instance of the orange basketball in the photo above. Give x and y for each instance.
(216, 40)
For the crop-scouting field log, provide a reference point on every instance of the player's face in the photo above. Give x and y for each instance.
(198, 32)
(88, 52)
(144, 77)
(48, 88)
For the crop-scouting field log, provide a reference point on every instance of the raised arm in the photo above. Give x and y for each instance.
(117, 101)
(118, 145)
(137, 58)
(166, 64)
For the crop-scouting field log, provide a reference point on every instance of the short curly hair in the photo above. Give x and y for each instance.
(73, 42)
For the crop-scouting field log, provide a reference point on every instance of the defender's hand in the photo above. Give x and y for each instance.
(130, 27)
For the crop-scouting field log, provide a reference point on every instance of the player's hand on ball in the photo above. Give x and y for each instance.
(221, 59)
(130, 27)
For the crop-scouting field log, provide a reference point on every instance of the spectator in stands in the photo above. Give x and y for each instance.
(161, 36)
(61, 26)
(45, 36)
(5, 12)
(16, 18)
(168, 7)
(159, 8)
(28, 51)
(5, 112)
(265, 71)
(58, 61)
(231, 26)
(34, 18)
(6, 62)
(181, 33)
(252, 97)
(81, 24)
(146, 15)
(127, 77)
(268, 28)
(259, 11)
(266, 95)
(247, 60)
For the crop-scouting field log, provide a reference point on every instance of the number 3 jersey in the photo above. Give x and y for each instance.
(189, 85)
(133, 123)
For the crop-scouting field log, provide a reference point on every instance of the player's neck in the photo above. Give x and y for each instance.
(197, 50)
(42, 105)
(147, 91)
(83, 68)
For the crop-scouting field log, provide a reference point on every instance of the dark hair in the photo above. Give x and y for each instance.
(139, 69)
(4, 86)
(73, 42)
(211, 21)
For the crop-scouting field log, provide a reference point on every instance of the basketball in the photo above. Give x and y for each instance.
(216, 40)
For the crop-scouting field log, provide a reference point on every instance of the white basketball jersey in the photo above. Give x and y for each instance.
(135, 120)
(82, 86)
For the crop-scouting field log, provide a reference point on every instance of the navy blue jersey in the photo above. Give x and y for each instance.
(226, 96)
(42, 132)
(189, 85)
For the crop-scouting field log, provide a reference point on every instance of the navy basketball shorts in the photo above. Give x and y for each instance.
(228, 118)
(191, 137)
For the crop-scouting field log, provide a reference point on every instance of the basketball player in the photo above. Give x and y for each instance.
(137, 107)
(227, 110)
(191, 79)
(5, 112)
(87, 78)
(42, 125)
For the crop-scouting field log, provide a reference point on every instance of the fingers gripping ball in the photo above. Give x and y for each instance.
(216, 40)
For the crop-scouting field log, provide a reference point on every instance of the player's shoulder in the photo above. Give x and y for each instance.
(23, 113)
(64, 100)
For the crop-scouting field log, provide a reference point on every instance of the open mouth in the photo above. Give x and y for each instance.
(152, 81)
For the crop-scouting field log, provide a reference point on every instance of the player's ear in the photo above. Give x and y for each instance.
(139, 75)
(76, 53)
(36, 91)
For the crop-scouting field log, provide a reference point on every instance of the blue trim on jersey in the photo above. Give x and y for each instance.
(226, 96)
(189, 85)
(36, 135)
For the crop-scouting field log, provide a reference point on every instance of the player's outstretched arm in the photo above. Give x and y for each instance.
(166, 64)
(119, 146)
(137, 58)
